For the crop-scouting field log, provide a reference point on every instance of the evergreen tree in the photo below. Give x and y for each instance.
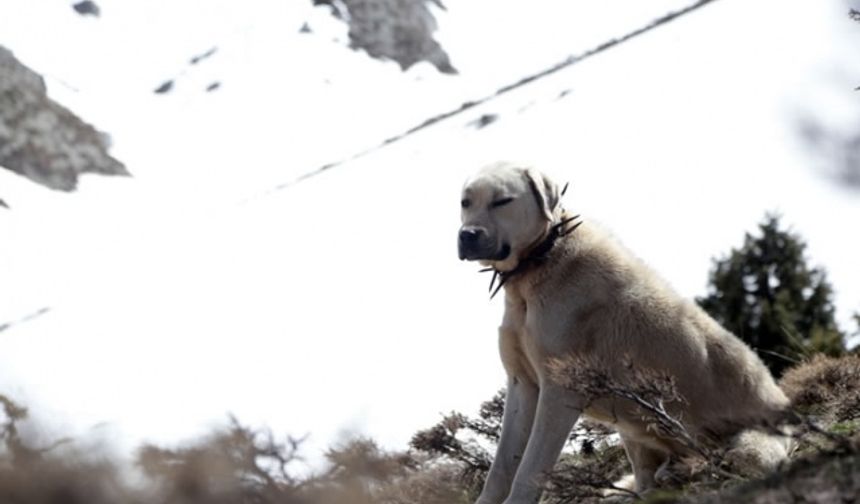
(766, 294)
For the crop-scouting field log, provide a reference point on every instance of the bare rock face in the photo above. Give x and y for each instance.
(41, 139)
(400, 30)
(87, 8)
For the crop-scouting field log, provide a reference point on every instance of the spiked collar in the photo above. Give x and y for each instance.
(536, 256)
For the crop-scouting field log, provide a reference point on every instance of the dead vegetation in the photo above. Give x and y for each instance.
(235, 464)
(447, 463)
(825, 388)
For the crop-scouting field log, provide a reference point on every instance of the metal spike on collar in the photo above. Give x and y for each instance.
(502, 280)
(571, 230)
(559, 228)
(492, 280)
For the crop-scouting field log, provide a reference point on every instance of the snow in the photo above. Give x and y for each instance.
(337, 306)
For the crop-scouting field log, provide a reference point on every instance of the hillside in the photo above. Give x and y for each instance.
(221, 279)
(445, 463)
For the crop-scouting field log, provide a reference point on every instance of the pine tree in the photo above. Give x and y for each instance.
(766, 294)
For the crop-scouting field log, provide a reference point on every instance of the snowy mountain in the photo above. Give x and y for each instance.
(213, 281)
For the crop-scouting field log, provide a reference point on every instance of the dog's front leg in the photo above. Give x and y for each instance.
(557, 411)
(520, 403)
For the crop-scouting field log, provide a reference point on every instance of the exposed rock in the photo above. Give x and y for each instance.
(87, 8)
(41, 139)
(484, 120)
(336, 6)
(400, 30)
(168, 85)
(202, 56)
(164, 87)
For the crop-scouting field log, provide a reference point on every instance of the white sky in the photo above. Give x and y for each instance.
(338, 305)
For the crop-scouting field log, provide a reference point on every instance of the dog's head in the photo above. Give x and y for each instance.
(506, 209)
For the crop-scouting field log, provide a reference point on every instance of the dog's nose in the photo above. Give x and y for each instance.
(470, 235)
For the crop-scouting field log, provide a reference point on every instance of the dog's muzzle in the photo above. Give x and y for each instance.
(474, 243)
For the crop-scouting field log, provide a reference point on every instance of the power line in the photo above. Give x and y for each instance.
(567, 62)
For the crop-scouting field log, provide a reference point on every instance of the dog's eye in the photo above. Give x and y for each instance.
(465, 203)
(500, 203)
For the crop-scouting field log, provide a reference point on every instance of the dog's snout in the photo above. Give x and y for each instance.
(470, 235)
(473, 242)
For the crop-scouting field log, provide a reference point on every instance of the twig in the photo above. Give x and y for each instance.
(667, 422)
(569, 61)
(778, 355)
(647, 390)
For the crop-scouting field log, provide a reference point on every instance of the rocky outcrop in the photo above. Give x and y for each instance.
(400, 30)
(42, 140)
(87, 8)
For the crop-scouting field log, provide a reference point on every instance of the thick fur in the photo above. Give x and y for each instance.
(592, 298)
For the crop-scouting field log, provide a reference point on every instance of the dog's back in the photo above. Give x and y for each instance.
(620, 307)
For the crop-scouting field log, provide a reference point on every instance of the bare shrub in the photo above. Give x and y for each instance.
(453, 439)
(586, 475)
(464, 441)
(247, 466)
(446, 463)
(30, 475)
(235, 465)
(825, 387)
(649, 390)
(435, 482)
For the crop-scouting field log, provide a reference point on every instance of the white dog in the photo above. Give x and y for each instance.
(572, 290)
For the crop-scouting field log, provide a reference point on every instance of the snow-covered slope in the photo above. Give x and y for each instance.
(338, 305)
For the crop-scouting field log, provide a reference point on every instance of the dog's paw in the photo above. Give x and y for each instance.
(756, 453)
(621, 491)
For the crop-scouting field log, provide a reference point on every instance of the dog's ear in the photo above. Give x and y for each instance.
(546, 192)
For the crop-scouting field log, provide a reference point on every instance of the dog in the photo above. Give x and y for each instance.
(571, 289)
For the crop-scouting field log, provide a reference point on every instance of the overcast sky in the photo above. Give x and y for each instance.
(338, 306)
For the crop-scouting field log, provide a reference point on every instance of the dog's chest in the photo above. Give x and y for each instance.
(519, 345)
